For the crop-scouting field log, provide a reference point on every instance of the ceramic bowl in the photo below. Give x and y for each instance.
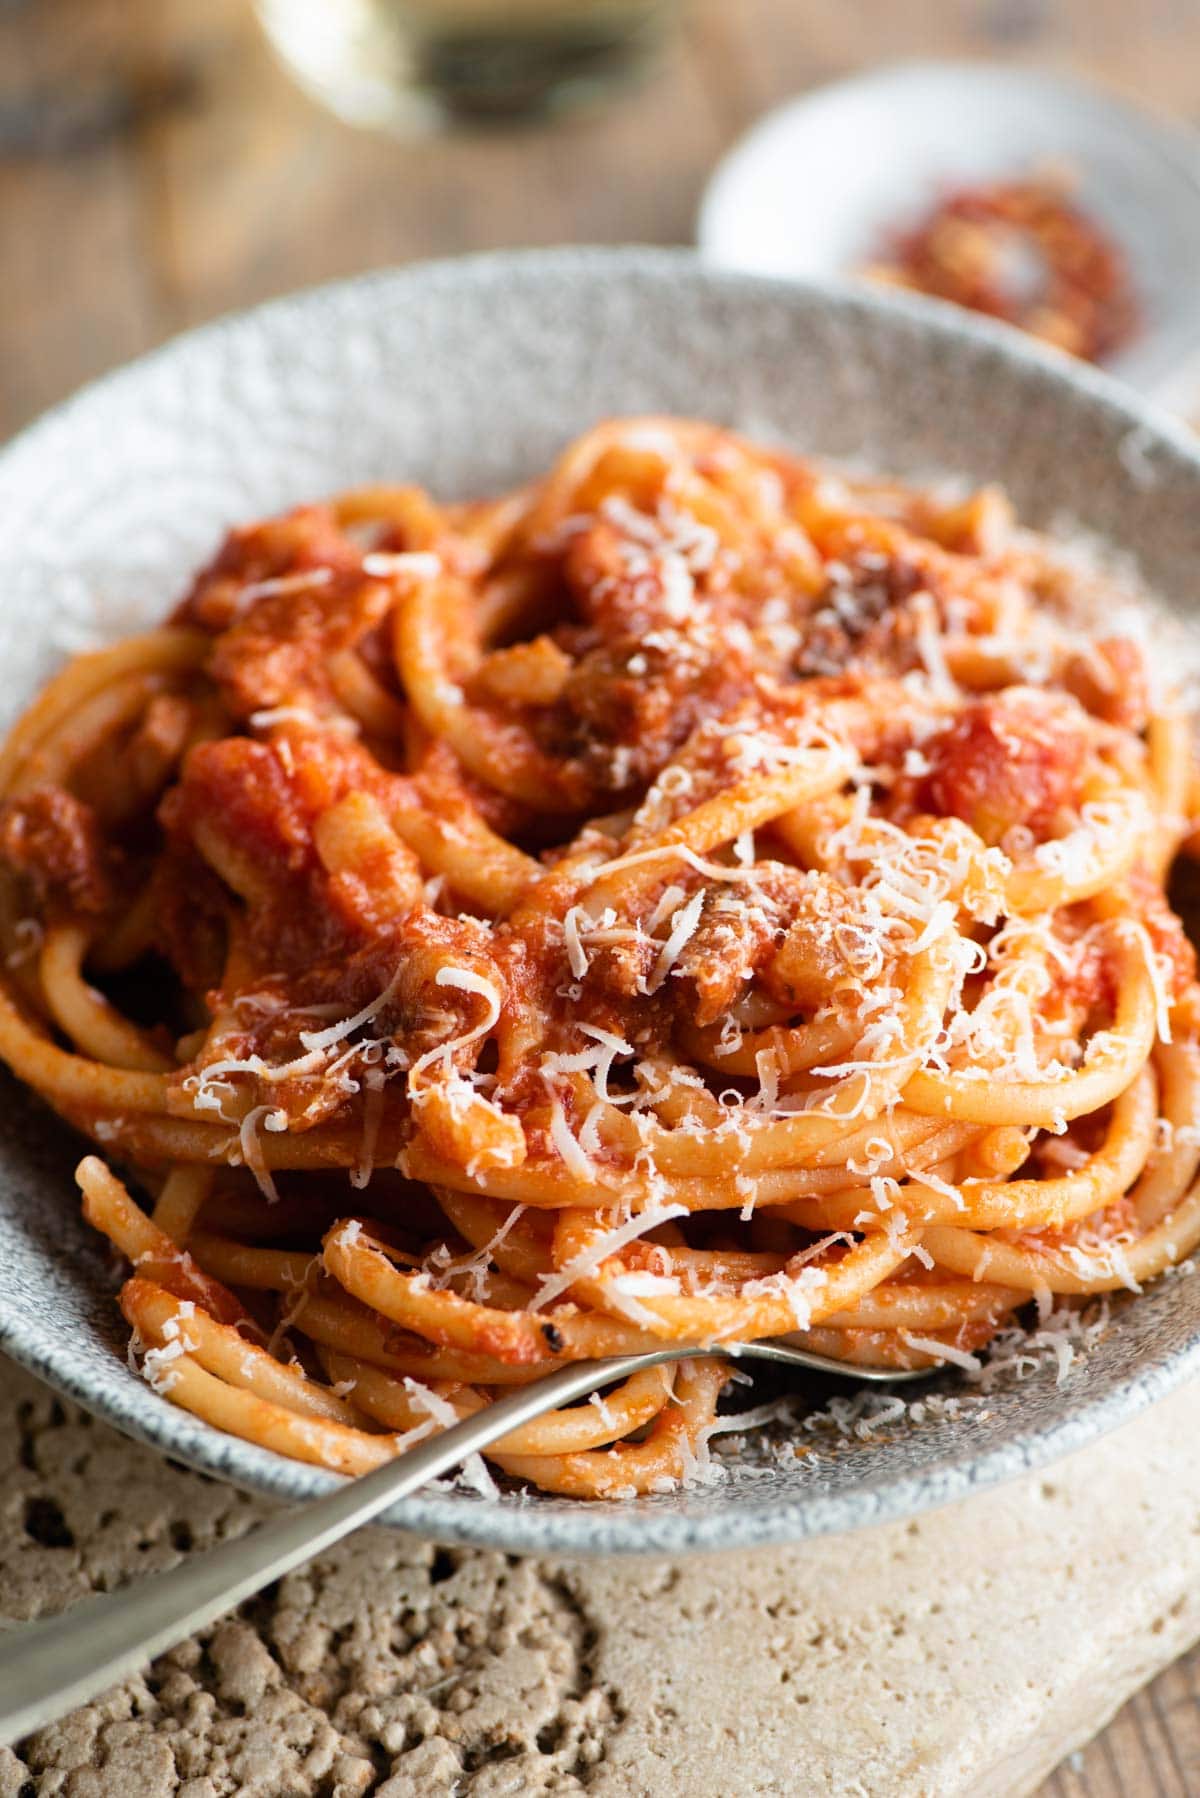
(816, 187)
(469, 376)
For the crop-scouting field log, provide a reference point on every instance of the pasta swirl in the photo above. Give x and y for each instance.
(691, 898)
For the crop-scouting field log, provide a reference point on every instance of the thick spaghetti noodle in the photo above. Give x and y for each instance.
(688, 899)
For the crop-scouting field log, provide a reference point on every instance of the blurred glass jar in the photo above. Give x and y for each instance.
(414, 65)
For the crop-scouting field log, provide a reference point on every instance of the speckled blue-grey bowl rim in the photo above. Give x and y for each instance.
(899, 383)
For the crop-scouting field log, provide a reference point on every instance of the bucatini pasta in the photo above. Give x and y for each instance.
(691, 898)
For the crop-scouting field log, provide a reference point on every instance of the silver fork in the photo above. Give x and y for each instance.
(49, 1667)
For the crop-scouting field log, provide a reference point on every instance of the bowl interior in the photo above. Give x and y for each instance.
(468, 377)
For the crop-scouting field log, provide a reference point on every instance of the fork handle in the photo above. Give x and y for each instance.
(50, 1667)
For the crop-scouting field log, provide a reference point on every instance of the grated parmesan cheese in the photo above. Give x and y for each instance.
(598, 1251)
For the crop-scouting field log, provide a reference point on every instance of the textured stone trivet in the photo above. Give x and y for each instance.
(961, 1653)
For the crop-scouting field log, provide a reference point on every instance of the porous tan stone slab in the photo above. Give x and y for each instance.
(961, 1653)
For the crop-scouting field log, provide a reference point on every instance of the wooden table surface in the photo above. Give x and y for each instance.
(157, 168)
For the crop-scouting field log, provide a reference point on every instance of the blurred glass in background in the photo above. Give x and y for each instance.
(416, 65)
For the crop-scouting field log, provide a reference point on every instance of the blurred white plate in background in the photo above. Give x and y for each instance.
(816, 188)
